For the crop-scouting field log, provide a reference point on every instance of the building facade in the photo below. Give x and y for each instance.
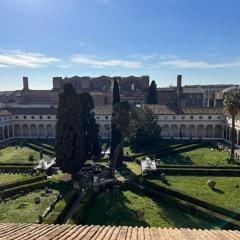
(188, 123)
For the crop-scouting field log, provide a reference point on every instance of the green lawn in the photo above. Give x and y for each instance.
(123, 208)
(6, 178)
(226, 194)
(24, 209)
(200, 156)
(11, 154)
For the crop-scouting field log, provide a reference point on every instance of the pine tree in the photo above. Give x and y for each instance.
(92, 148)
(152, 94)
(70, 142)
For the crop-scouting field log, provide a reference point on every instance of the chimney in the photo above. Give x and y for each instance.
(25, 83)
(57, 83)
(179, 91)
(179, 82)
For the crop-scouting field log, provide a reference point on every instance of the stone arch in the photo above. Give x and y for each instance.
(174, 131)
(6, 132)
(165, 131)
(1, 133)
(209, 131)
(33, 130)
(41, 130)
(25, 130)
(183, 131)
(49, 131)
(17, 130)
(191, 131)
(10, 131)
(106, 131)
(218, 131)
(200, 131)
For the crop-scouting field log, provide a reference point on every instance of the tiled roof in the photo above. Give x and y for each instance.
(32, 111)
(94, 232)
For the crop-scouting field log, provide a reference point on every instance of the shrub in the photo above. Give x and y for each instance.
(30, 158)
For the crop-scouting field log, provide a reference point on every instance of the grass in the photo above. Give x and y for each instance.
(6, 178)
(225, 195)
(200, 156)
(123, 210)
(20, 155)
(24, 209)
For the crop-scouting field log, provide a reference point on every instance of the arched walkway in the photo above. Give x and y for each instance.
(25, 130)
(200, 131)
(209, 131)
(41, 130)
(191, 131)
(10, 131)
(33, 130)
(1, 133)
(174, 131)
(17, 130)
(183, 131)
(6, 132)
(218, 131)
(49, 130)
(165, 131)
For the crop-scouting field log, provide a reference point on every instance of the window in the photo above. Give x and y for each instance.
(40, 117)
(24, 117)
(191, 117)
(32, 117)
(219, 117)
(209, 117)
(106, 117)
(49, 117)
(200, 117)
(183, 117)
(174, 117)
(97, 117)
(16, 117)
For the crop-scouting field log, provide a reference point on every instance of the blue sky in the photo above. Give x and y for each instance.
(161, 38)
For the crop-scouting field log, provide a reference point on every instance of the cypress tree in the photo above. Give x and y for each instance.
(152, 94)
(116, 94)
(70, 142)
(116, 134)
(92, 148)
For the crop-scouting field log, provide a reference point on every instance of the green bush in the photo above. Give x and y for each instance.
(30, 158)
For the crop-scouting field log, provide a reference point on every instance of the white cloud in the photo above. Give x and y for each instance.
(13, 58)
(190, 64)
(100, 63)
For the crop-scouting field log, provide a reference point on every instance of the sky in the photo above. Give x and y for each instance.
(160, 38)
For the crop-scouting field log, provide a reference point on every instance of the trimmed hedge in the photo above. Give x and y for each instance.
(23, 188)
(175, 193)
(16, 164)
(23, 182)
(61, 208)
(16, 169)
(197, 171)
(198, 167)
(37, 148)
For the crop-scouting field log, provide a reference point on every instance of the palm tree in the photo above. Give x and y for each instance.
(232, 105)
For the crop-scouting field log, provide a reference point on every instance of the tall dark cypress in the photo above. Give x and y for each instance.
(116, 134)
(152, 94)
(70, 141)
(92, 148)
(116, 93)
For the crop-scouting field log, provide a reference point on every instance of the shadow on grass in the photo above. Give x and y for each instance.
(175, 158)
(114, 211)
(217, 190)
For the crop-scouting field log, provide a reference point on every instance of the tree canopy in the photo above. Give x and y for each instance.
(144, 129)
(116, 93)
(152, 94)
(70, 140)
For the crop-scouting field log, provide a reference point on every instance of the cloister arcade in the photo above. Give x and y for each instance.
(192, 131)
